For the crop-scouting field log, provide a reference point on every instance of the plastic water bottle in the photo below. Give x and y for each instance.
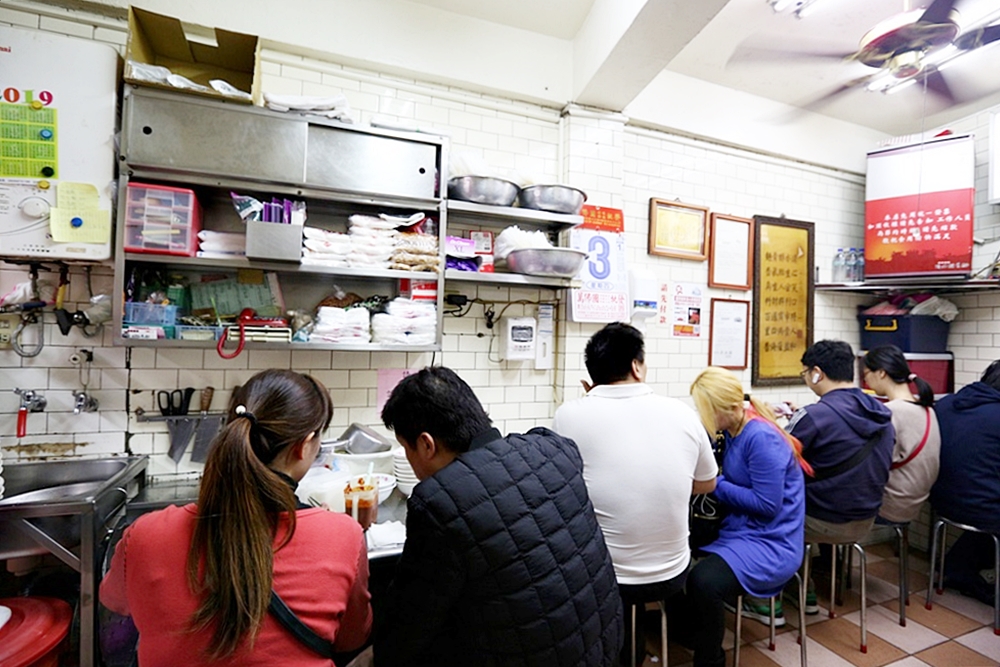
(851, 266)
(859, 265)
(838, 266)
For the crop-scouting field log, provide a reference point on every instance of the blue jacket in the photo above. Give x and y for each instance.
(831, 432)
(504, 564)
(968, 485)
(762, 538)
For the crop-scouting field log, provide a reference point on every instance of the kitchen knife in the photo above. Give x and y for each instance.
(208, 428)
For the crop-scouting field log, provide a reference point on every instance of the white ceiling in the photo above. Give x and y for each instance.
(747, 47)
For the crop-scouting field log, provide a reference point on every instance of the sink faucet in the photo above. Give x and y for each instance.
(31, 401)
(84, 403)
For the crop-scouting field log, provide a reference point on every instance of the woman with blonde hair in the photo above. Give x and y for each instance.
(205, 583)
(761, 541)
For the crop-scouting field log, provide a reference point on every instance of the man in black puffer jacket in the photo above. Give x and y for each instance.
(504, 563)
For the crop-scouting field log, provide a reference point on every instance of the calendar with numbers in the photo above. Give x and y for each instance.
(603, 294)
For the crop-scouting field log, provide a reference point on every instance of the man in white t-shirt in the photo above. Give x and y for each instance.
(644, 455)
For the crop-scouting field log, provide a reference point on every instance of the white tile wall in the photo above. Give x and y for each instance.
(617, 164)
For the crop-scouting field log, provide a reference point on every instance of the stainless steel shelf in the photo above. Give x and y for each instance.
(280, 267)
(509, 279)
(230, 346)
(468, 213)
(939, 285)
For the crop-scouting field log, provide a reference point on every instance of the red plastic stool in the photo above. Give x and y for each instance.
(35, 631)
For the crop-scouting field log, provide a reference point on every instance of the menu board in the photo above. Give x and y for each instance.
(783, 299)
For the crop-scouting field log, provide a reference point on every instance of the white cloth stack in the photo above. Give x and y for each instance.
(373, 241)
(324, 248)
(406, 322)
(333, 106)
(221, 245)
(340, 325)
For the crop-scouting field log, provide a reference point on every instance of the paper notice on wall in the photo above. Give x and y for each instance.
(77, 196)
(681, 306)
(79, 225)
(388, 378)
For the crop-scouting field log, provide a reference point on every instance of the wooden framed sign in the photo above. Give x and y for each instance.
(730, 257)
(782, 299)
(729, 333)
(678, 230)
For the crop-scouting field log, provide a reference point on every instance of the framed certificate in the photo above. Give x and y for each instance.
(730, 257)
(729, 333)
(678, 230)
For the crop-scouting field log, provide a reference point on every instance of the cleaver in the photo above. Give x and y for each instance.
(208, 428)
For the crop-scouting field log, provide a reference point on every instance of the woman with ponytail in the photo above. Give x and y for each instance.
(761, 542)
(197, 580)
(916, 454)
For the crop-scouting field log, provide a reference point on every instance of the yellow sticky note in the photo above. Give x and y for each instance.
(77, 196)
(79, 226)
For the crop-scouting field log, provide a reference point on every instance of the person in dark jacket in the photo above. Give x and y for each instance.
(847, 438)
(504, 562)
(967, 489)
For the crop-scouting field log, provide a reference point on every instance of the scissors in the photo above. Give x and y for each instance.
(174, 402)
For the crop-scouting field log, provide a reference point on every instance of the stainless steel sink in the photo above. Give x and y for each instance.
(21, 478)
(66, 508)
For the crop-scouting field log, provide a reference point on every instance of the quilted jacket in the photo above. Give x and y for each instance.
(504, 564)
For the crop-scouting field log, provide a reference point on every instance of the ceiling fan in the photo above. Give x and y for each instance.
(908, 47)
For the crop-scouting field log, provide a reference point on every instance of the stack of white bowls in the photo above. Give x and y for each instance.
(406, 479)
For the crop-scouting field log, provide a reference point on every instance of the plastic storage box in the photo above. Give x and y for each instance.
(162, 220)
(140, 312)
(910, 333)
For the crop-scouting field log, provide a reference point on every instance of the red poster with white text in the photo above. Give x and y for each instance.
(927, 234)
(919, 208)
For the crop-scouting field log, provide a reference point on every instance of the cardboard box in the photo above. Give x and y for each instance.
(155, 39)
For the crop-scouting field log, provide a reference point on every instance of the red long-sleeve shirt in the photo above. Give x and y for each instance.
(322, 575)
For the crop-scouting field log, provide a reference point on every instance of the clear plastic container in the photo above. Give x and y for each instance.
(162, 220)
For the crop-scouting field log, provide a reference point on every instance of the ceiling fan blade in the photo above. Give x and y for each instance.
(938, 12)
(826, 98)
(979, 37)
(754, 54)
(936, 83)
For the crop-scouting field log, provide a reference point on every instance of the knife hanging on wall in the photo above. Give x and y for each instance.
(208, 428)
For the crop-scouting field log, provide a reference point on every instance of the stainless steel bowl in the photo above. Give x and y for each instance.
(483, 190)
(552, 198)
(552, 262)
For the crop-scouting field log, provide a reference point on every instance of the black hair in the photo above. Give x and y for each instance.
(891, 359)
(437, 401)
(991, 375)
(611, 351)
(833, 357)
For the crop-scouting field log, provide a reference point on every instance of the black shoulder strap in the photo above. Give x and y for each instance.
(842, 467)
(299, 630)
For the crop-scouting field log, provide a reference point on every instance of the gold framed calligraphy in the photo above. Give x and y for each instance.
(782, 299)
(678, 230)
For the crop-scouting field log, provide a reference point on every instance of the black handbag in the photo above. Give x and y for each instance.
(707, 512)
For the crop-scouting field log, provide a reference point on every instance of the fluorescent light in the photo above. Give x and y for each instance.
(896, 87)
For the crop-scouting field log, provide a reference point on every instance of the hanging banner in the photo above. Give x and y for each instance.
(603, 294)
(919, 209)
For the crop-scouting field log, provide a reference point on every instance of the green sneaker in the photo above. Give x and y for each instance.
(791, 595)
(759, 609)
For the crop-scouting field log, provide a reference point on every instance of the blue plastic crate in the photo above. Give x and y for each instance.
(150, 313)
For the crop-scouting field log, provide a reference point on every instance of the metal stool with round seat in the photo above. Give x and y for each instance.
(941, 528)
(833, 583)
(771, 644)
(663, 629)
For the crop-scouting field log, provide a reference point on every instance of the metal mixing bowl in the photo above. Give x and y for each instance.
(552, 262)
(483, 190)
(552, 198)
